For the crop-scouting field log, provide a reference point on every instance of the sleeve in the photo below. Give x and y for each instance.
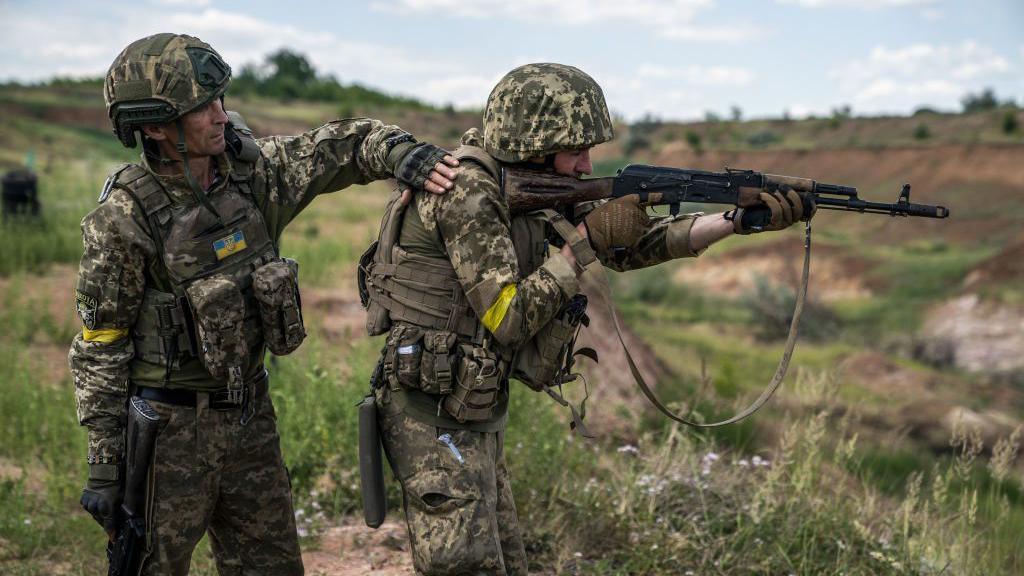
(666, 238)
(473, 221)
(295, 169)
(108, 294)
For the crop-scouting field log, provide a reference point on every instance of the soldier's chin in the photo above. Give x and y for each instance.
(217, 148)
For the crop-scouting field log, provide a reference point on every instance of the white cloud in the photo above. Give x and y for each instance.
(932, 14)
(698, 75)
(862, 4)
(670, 18)
(902, 78)
(183, 3)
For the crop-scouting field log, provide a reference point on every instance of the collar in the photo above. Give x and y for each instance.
(177, 187)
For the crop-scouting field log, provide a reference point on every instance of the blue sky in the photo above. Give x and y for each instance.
(672, 58)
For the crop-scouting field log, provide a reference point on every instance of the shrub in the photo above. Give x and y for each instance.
(694, 140)
(1010, 123)
(922, 132)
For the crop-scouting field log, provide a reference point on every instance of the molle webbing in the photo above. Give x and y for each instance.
(422, 291)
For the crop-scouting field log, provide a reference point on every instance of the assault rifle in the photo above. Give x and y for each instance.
(126, 550)
(529, 190)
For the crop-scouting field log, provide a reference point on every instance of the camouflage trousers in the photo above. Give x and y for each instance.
(460, 514)
(211, 474)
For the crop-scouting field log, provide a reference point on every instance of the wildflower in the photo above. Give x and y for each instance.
(654, 546)
(743, 462)
(758, 461)
(302, 531)
(519, 445)
(299, 513)
(577, 554)
(28, 521)
(628, 449)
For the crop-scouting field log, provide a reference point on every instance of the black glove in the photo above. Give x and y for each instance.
(415, 166)
(103, 494)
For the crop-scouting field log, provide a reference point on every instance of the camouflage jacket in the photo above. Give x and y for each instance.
(120, 257)
(471, 226)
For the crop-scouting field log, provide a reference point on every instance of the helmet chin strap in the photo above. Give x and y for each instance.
(196, 188)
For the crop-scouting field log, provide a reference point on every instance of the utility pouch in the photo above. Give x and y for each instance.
(276, 287)
(219, 309)
(541, 361)
(477, 384)
(437, 366)
(371, 467)
(403, 354)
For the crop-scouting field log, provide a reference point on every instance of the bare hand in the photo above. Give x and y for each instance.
(441, 178)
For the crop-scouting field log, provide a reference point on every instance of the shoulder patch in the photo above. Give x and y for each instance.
(86, 306)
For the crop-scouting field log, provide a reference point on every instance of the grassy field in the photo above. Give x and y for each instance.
(836, 476)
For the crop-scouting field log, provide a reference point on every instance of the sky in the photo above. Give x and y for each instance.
(674, 59)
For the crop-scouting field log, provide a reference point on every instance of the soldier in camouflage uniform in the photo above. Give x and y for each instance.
(181, 290)
(463, 289)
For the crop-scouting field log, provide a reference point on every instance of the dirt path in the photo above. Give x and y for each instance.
(352, 549)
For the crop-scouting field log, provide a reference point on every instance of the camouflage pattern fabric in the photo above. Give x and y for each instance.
(457, 499)
(163, 77)
(470, 225)
(210, 473)
(459, 517)
(538, 109)
(120, 257)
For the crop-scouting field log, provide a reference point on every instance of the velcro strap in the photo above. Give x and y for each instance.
(443, 372)
(417, 164)
(104, 472)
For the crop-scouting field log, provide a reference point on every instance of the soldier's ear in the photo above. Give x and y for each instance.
(157, 132)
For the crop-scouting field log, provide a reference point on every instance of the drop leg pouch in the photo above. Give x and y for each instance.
(371, 467)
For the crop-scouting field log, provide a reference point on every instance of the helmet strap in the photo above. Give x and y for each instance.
(196, 188)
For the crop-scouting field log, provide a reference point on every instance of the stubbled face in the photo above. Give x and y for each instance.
(204, 131)
(573, 162)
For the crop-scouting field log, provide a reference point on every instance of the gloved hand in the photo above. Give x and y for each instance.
(776, 211)
(103, 494)
(424, 166)
(618, 223)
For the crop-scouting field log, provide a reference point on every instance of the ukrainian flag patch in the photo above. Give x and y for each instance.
(229, 245)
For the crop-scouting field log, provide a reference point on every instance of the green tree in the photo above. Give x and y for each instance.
(984, 100)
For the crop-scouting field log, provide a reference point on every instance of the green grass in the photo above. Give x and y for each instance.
(830, 502)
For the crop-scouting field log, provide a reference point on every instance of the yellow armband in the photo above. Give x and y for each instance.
(104, 335)
(496, 313)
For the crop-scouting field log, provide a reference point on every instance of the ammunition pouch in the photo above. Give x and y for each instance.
(276, 288)
(163, 333)
(467, 377)
(478, 381)
(545, 360)
(420, 359)
(219, 315)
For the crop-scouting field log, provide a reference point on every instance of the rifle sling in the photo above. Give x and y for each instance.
(780, 371)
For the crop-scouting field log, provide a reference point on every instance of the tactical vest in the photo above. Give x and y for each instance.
(419, 302)
(201, 306)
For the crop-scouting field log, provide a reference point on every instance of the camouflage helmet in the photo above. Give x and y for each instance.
(160, 78)
(540, 109)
